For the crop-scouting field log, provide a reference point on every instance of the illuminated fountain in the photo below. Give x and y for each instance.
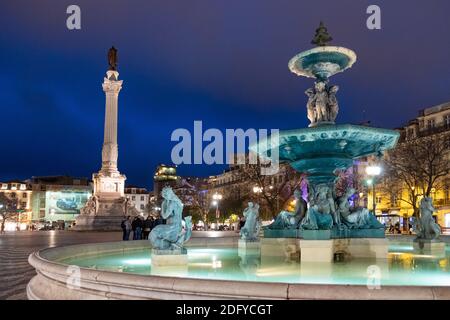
(320, 151)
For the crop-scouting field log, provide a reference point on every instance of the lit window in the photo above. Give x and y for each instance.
(447, 120)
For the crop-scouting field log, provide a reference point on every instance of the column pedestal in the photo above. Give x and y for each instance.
(108, 205)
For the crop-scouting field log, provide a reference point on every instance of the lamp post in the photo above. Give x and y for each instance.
(216, 198)
(373, 171)
(257, 189)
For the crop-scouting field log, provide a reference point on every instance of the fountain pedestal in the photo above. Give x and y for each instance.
(316, 250)
(280, 247)
(434, 247)
(324, 250)
(249, 247)
(169, 258)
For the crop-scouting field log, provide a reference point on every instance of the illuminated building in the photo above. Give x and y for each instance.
(140, 197)
(58, 199)
(165, 175)
(430, 121)
(19, 192)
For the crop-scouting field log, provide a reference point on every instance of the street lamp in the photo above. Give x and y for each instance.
(257, 189)
(216, 198)
(373, 171)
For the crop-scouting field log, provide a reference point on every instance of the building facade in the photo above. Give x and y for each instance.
(57, 199)
(165, 176)
(140, 198)
(20, 193)
(430, 121)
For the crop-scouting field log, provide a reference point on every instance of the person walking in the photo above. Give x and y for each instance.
(148, 226)
(126, 228)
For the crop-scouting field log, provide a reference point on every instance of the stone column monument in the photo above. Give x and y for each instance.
(108, 205)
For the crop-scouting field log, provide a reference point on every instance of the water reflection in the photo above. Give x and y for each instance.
(403, 266)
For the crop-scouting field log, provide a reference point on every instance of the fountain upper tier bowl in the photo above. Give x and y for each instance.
(322, 62)
(320, 150)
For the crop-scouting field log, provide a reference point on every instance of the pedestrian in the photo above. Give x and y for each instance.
(241, 222)
(126, 228)
(397, 227)
(137, 228)
(148, 226)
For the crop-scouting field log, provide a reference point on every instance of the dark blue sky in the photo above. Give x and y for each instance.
(222, 62)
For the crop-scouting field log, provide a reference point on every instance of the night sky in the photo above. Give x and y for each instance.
(223, 62)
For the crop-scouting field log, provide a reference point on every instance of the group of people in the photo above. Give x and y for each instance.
(141, 228)
(394, 228)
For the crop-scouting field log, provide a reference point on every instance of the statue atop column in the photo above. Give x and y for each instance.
(112, 59)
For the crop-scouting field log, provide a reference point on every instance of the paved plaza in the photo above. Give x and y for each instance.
(16, 246)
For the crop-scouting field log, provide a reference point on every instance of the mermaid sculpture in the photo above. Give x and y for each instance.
(291, 220)
(321, 209)
(171, 236)
(355, 218)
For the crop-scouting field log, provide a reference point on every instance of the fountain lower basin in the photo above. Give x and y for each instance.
(121, 270)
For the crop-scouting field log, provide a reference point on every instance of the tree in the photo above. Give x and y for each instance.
(8, 210)
(272, 195)
(195, 203)
(417, 165)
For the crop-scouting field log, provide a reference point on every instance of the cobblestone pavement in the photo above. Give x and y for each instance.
(15, 247)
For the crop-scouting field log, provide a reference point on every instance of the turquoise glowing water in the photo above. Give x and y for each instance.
(403, 267)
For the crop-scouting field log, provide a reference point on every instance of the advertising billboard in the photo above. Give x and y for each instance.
(66, 201)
